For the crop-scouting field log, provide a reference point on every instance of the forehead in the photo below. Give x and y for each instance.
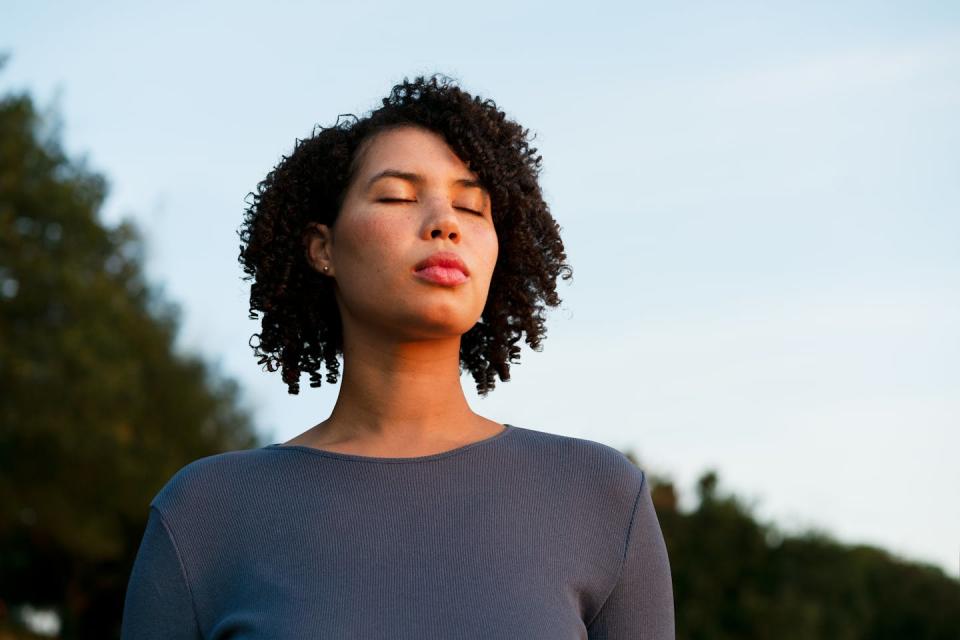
(408, 148)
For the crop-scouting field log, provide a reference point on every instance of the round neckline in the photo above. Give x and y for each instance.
(507, 429)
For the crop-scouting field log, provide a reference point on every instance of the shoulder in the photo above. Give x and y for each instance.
(210, 479)
(593, 470)
(589, 456)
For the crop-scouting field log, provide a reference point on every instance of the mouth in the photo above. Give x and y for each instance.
(443, 267)
(442, 275)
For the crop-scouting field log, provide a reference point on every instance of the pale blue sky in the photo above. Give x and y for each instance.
(759, 200)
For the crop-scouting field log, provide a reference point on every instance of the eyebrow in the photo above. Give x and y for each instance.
(416, 178)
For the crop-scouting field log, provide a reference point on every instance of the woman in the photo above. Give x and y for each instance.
(413, 242)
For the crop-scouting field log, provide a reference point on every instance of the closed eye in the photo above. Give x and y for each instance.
(468, 210)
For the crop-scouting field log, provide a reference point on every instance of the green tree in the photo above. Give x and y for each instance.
(97, 410)
(735, 577)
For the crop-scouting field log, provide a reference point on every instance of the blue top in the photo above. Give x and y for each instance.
(524, 535)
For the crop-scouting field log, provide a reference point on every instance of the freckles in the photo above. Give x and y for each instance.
(373, 228)
(379, 242)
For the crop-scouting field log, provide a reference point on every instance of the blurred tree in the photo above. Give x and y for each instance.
(97, 411)
(734, 577)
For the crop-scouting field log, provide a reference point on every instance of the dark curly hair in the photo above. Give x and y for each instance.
(301, 325)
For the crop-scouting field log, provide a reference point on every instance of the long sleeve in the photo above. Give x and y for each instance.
(158, 603)
(640, 607)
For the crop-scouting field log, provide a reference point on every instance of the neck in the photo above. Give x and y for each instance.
(401, 395)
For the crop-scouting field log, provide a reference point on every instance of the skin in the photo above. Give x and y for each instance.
(400, 394)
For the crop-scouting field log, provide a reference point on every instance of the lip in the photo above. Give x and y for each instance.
(443, 267)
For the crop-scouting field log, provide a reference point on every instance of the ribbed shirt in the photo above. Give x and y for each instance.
(525, 535)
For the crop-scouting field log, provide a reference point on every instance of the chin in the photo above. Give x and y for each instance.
(446, 326)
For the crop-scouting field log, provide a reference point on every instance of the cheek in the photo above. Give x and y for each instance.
(491, 248)
(375, 242)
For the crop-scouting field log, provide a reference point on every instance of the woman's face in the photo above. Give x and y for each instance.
(410, 198)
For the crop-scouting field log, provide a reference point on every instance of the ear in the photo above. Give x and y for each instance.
(318, 245)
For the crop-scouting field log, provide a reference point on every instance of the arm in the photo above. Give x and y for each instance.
(641, 604)
(158, 603)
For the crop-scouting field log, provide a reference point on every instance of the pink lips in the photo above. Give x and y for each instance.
(443, 267)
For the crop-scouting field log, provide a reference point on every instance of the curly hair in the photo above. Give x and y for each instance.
(301, 324)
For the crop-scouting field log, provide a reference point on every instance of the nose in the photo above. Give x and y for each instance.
(441, 220)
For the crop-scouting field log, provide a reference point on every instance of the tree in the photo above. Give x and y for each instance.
(97, 411)
(735, 577)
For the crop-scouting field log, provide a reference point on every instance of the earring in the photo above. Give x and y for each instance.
(326, 268)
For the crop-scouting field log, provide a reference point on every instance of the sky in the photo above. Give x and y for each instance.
(760, 202)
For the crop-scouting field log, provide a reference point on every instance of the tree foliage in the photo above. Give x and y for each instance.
(97, 410)
(737, 578)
